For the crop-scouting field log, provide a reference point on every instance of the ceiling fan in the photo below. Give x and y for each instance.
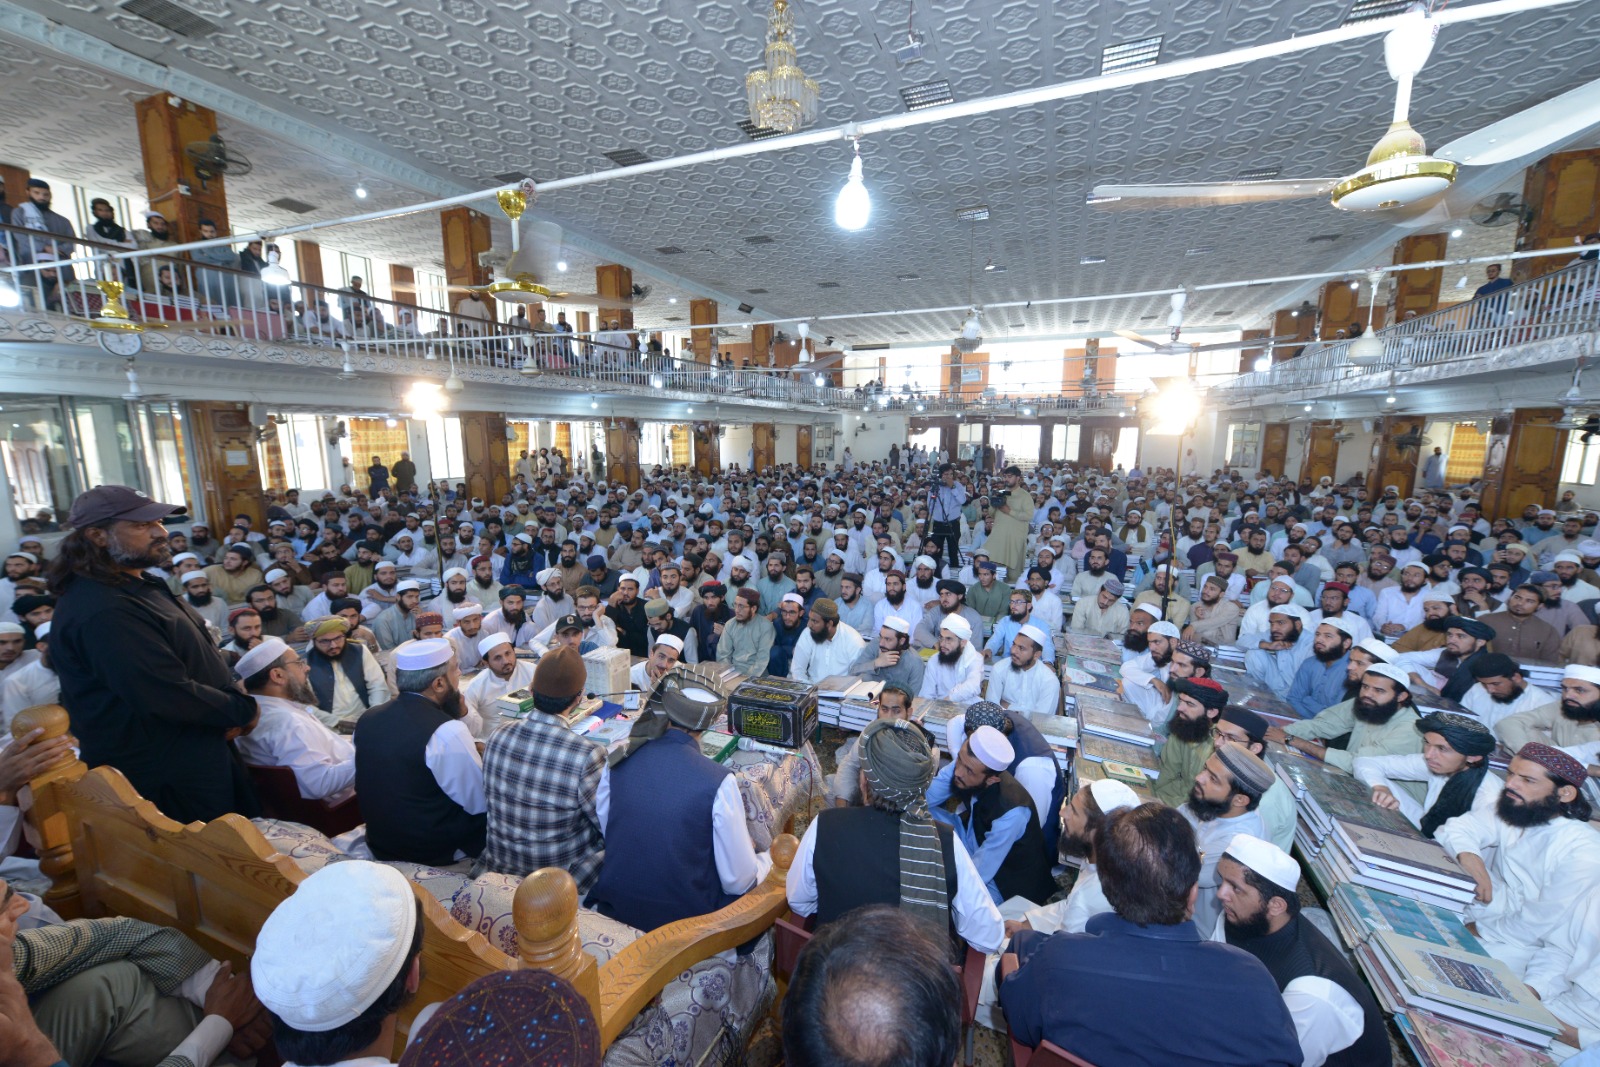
(1399, 172)
(526, 275)
(1175, 347)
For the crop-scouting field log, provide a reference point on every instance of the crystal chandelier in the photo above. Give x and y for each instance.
(781, 96)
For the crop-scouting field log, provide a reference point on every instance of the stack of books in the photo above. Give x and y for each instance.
(1103, 717)
(1061, 731)
(1399, 863)
(607, 671)
(1440, 1042)
(859, 706)
(1359, 912)
(830, 691)
(1546, 676)
(1228, 656)
(1479, 991)
(935, 714)
(1100, 648)
(1119, 759)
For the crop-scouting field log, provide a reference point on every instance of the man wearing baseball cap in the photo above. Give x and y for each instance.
(158, 701)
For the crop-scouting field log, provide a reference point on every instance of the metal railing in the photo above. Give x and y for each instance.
(1558, 304)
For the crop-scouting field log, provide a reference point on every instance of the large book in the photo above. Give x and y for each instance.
(1114, 719)
(1441, 1042)
(1100, 648)
(1477, 990)
(1323, 794)
(935, 713)
(1101, 749)
(1371, 910)
(1087, 670)
(1085, 771)
(1403, 853)
(607, 670)
(1343, 869)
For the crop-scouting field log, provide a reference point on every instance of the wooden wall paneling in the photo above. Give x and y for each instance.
(1275, 448)
(802, 446)
(763, 438)
(172, 185)
(622, 452)
(1562, 192)
(1391, 464)
(1340, 306)
(1417, 291)
(483, 450)
(1322, 453)
(230, 475)
(1522, 464)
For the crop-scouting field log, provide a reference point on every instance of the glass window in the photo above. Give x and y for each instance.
(445, 457)
(1074, 443)
(104, 442)
(165, 455)
(33, 444)
(1582, 464)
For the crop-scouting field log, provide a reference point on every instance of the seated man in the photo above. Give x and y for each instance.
(542, 782)
(1019, 613)
(1272, 659)
(1453, 764)
(1144, 677)
(1024, 679)
(503, 672)
(1499, 690)
(1091, 993)
(1103, 613)
(1573, 722)
(345, 676)
(1534, 857)
(664, 654)
(336, 961)
(287, 732)
(1319, 682)
(891, 661)
(890, 851)
(1083, 819)
(1243, 727)
(417, 767)
(893, 703)
(1215, 618)
(677, 844)
(1225, 800)
(1335, 1016)
(746, 642)
(874, 989)
(995, 818)
(956, 670)
(1188, 744)
(827, 648)
(1033, 763)
(1380, 721)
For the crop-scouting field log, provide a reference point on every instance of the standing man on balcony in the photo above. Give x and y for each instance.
(35, 214)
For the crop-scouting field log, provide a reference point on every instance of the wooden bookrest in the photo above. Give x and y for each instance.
(108, 851)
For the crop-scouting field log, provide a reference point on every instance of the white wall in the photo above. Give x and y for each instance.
(784, 442)
(1355, 454)
(869, 434)
(736, 444)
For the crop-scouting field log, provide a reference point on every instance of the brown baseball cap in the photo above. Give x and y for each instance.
(561, 673)
(108, 503)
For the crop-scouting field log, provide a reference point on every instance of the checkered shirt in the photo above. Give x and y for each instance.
(541, 780)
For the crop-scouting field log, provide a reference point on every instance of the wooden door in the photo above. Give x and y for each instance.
(802, 446)
(1275, 448)
(762, 446)
(1322, 453)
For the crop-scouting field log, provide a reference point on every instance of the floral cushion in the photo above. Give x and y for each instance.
(484, 905)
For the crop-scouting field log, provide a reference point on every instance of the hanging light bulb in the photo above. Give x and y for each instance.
(361, 192)
(657, 382)
(819, 381)
(453, 383)
(594, 405)
(561, 265)
(273, 273)
(1262, 364)
(1390, 399)
(853, 207)
(804, 330)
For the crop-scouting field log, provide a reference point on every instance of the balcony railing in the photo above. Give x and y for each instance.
(1554, 305)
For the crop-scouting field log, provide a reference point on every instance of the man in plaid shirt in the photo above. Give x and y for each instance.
(541, 781)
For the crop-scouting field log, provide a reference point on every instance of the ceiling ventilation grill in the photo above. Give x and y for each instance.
(975, 213)
(827, 285)
(758, 239)
(171, 17)
(758, 133)
(1260, 174)
(511, 177)
(1131, 55)
(289, 203)
(1366, 10)
(669, 250)
(928, 94)
(627, 157)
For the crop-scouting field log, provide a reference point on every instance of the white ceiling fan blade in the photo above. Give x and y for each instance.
(1139, 338)
(1258, 342)
(1223, 193)
(1529, 130)
(540, 249)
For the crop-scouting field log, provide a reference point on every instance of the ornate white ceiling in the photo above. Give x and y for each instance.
(468, 90)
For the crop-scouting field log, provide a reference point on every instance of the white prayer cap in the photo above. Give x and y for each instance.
(453, 571)
(1378, 650)
(1034, 634)
(1284, 579)
(1111, 795)
(1291, 609)
(1579, 673)
(1342, 624)
(423, 655)
(1166, 628)
(492, 642)
(960, 627)
(1585, 548)
(793, 598)
(384, 564)
(274, 574)
(1266, 859)
(1456, 527)
(329, 951)
(1417, 564)
(179, 558)
(1567, 557)
(9, 628)
(194, 576)
(524, 538)
(1340, 1022)
(407, 586)
(257, 659)
(1395, 673)
(1434, 596)
(991, 748)
(897, 624)
(924, 561)
(1151, 610)
(546, 574)
(1547, 511)
(467, 610)
(42, 632)
(671, 641)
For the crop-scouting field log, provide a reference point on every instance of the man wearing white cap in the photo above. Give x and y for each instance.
(1334, 1013)
(414, 560)
(1400, 607)
(1319, 681)
(1574, 590)
(383, 592)
(195, 591)
(1271, 659)
(1023, 680)
(503, 672)
(288, 732)
(452, 593)
(33, 683)
(1144, 677)
(1572, 724)
(394, 624)
(417, 764)
(336, 961)
(891, 659)
(555, 602)
(995, 817)
(292, 598)
(1379, 721)
(956, 670)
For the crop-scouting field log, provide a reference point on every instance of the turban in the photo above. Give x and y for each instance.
(1463, 733)
(1560, 765)
(957, 625)
(331, 625)
(1492, 665)
(510, 1017)
(1209, 694)
(32, 602)
(985, 713)
(1250, 773)
(950, 585)
(1579, 673)
(1246, 720)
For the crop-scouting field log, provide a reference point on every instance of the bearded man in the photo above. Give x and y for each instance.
(1572, 722)
(288, 732)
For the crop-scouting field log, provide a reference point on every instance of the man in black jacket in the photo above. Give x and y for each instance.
(147, 691)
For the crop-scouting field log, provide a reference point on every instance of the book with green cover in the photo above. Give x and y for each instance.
(718, 745)
(1372, 910)
(1462, 986)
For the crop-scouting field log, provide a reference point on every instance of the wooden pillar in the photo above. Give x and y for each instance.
(225, 450)
(1047, 434)
(802, 446)
(174, 187)
(615, 283)
(1392, 464)
(1417, 291)
(49, 820)
(483, 450)
(702, 341)
(1275, 448)
(761, 346)
(1248, 356)
(763, 445)
(1097, 442)
(1522, 463)
(1562, 192)
(707, 449)
(403, 284)
(308, 255)
(465, 233)
(622, 452)
(967, 376)
(14, 183)
(1340, 306)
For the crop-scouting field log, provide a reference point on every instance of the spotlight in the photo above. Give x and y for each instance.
(361, 192)
(1456, 232)
(672, 300)
(1390, 399)
(1308, 407)
(1261, 365)
(594, 405)
(561, 265)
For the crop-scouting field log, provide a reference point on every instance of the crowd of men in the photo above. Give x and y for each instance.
(335, 643)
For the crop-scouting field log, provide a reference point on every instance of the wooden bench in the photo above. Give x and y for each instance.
(108, 851)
